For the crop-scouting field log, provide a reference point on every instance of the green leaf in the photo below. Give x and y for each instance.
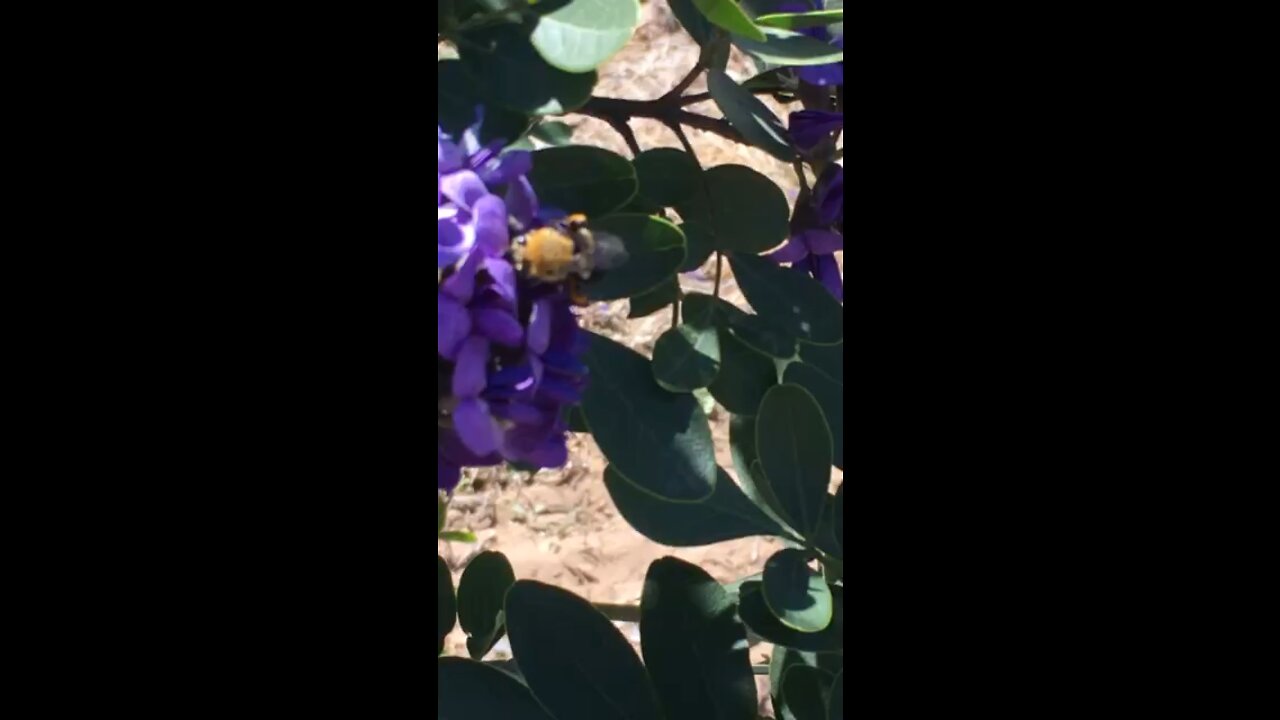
(667, 176)
(745, 112)
(830, 397)
(839, 516)
(694, 647)
(655, 249)
(784, 659)
(744, 210)
(727, 515)
(804, 693)
(651, 301)
(795, 454)
(582, 179)
(461, 536)
(727, 14)
(756, 614)
(575, 420)
(659, 440)
(744, 378)
(835, 706)
(795, 594)
(579, 35)
(457, 101)
(783, 47)
(481, 591)
(552, 132)
(828, 359)
(446, 606)
(513, 75)
(698, 246)
(761, 335)
(692, 20)
(794, 303)
(577, 664)
(467, 690)
(687, 357)
(775, 80)
(801, 20)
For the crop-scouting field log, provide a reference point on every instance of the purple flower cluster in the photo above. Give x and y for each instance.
(508, 348)
(824, 75)
(817, 232)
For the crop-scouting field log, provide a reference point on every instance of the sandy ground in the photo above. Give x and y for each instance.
(559, 526)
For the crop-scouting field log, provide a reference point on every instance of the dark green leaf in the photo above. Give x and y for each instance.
(761, 336)
(804, 693)
(785, 658)
(655, 249)
(651, 301)
(830, 397)
(752, 118)
(694, 646)
(659, 440)
(579, 35)
(457, 102)
(727, 14)
(744, 210)
(835, 706)
(698, 246)
(667, 176)
(744, 378)
(796, 595)
(481, 590)
(795, 453)
(794, 303)
(726, 515)
(783, 47)
(777, 80)
(692, 19)
(800, 21)
(582, 179)
(514, 76)
(576, 662)
(839, 516)
(829, 359)
(553, 132)
(576, 420)
(755, 613)
(446, 606)
(687, 357)
(468, 690)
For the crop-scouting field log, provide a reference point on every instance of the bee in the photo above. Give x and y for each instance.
(567, 251)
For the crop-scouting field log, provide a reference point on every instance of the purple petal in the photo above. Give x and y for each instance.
(540, 326)
(822, 75)
(829, 194)
(793, 251)
(464, 188)
(470, 373)
(499, 326)
(448, 155)
(453, 240)
(476, 428)
(453, 324)
(823, 242)
(506, 168)
(828, 273)
(491, 225)
(811, 127)
(522, 201)
(461, 285)
(504, 279)
(447, 474)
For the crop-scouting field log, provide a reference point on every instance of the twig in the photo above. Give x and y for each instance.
(674, 93)
(613, 110)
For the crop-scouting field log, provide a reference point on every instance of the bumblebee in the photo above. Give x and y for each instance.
(567, 251)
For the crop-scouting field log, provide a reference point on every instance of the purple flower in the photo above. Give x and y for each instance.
(809, 128)
(508, 347)
(817, 232)
(825, 75)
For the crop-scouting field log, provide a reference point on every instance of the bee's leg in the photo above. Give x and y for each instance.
(576, 294)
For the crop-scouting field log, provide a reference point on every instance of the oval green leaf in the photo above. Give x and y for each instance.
(795, 303)
(467, 690)
(727, 515)
(651, 301)
(667, 176)
(752, 118)
(446, 606)
(579, 35)
(744, 210)
(694, 647)
(784, 47)
(687, 357)
(830, 397)
(692, 20)
(577, 664)
(804, 693)
(795, 454)
(655, 249)
(481, 590)
(756, 614)
(728, 15)
(839, 516)
(513, 74)
(582, 179)
(835, 706)
(698, 246)
(801, 20)
(796, 595)
(457, 101)
(659, 440)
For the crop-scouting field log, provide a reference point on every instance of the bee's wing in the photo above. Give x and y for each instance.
(610, 252)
